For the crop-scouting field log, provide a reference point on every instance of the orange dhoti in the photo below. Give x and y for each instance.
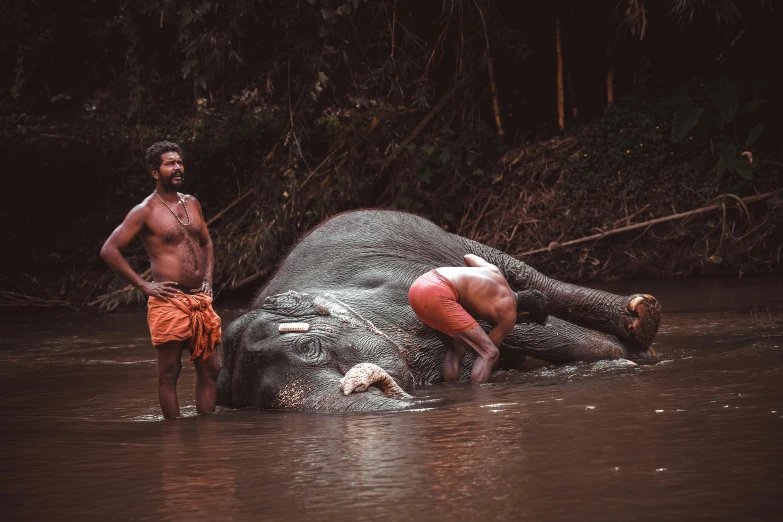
(185, 317)
(435, 301)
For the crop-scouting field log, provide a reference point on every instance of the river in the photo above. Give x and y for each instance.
(696, 436)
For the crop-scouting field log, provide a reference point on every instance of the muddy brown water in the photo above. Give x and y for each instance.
(695, 437)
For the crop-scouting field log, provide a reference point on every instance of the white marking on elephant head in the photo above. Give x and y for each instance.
(293, 327)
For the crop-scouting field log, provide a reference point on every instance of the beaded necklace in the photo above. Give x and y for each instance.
(172, 211)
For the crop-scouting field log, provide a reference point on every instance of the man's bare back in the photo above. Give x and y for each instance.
(450, 299)
(484, 294)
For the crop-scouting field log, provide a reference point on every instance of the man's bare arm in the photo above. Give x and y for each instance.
(118, 240)
(501, 330)
(207, 252)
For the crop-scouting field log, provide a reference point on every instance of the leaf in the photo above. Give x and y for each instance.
(425, 176)
(685, 119)
(751, 105)
(744, 169)
(754, 134)
(676, 96)
(727, 101)
(715, 258)
(427, 149)
(729, 155)
(721, 168)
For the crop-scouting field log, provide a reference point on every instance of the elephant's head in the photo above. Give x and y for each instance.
(293, 352)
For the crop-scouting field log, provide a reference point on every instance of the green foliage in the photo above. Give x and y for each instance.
(724, 121)
(623, 152)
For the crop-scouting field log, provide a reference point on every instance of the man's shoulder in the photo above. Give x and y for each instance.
(189, 198)
(143, 210)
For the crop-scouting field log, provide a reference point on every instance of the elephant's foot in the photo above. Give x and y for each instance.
(364, 375)
(641, 323)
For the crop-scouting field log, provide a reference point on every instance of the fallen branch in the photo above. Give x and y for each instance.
(230, 206)
(327, 158)
(14, 300)
(744, 201)
(250, 279)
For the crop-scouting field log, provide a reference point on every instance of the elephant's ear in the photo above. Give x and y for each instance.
(230, 344)
(293, 304)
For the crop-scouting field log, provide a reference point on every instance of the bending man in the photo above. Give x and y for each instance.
(179, 309)
(450, 299)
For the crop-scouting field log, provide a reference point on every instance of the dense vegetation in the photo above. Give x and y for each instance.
(292, 111)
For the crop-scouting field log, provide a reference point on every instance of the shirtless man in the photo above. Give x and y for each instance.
(450, 299)
(179, 312)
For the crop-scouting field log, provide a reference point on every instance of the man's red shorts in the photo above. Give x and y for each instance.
(435, 301)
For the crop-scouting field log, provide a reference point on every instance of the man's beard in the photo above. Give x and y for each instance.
(169, 185)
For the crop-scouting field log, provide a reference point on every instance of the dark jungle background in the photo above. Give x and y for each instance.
(523, 125)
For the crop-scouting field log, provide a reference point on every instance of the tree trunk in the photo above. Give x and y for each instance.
(495, 101)
(560, 90)
(610, 84)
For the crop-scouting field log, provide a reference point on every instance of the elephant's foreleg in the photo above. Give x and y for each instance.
(633, 319)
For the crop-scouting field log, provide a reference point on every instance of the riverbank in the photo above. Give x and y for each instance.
(612, 199)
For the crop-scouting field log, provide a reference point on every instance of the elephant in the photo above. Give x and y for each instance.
(337, 310)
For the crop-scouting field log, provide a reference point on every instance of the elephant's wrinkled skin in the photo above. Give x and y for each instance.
(349, 279)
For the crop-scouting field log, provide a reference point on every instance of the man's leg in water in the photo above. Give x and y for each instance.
(206, 382)
(487, 354)
(452, 363)
(169, 366)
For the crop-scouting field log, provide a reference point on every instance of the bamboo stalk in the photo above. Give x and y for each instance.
(749, 199)
(493, 87)
(560, 89)
(568, 67)
(491, 73)
(610, 85)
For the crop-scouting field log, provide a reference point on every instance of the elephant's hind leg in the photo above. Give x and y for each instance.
(558, 341)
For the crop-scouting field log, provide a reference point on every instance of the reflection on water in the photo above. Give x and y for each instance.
(696, 436)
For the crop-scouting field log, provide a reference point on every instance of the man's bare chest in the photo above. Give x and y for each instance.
(165, 229)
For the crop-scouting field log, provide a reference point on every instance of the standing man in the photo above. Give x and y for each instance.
(450, 299)
(179, 309)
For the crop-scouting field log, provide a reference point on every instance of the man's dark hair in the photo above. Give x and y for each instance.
(152, 158)
(534, 303)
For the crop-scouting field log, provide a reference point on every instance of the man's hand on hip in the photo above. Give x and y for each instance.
(162, 290)
(206, 287)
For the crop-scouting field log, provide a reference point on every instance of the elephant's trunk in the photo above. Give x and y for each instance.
(364, 375)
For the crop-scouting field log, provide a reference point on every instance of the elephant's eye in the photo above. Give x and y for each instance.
(309, 348)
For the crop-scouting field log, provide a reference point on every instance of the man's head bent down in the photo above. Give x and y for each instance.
(532, 304)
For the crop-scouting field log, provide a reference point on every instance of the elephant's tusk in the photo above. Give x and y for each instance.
(363, 375)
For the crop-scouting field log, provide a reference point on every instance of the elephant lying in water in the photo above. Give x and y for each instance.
(340, 299)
